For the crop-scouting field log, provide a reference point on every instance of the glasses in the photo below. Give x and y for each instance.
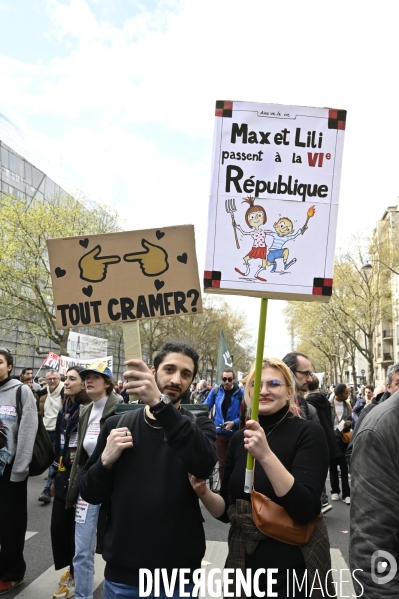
(307, 373)
(227, 378)
(54, 379)
(272, 384)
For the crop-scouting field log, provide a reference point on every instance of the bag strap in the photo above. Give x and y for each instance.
(19, 403)
(129, 418)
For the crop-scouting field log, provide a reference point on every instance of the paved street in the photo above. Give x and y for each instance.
(41, 579)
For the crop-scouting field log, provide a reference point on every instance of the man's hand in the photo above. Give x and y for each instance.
(142, 382)
(229, 425)
(118, 440)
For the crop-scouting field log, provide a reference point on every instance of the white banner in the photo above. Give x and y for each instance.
(86, 347)
(66, 362)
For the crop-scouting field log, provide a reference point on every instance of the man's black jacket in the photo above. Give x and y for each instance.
(323, 408)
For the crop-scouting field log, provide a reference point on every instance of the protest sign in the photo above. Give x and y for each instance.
(274, 200)
(273, 208)
(124, 277)
(86, 346)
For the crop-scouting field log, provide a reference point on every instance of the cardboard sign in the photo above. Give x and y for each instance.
(274, 201)
(120, 277)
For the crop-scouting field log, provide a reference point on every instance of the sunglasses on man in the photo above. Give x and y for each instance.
(227, 378)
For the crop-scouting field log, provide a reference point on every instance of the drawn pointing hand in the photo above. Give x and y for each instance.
(93, 267)
(153, 261)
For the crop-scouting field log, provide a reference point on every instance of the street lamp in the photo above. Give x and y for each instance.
(368, 267)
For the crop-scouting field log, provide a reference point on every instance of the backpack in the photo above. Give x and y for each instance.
(43, 452)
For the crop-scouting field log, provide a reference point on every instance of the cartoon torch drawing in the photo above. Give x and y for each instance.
(311, 212)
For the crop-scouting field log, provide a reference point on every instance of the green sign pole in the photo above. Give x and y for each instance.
(256, 393)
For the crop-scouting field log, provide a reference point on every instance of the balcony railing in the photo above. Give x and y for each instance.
(387, 334)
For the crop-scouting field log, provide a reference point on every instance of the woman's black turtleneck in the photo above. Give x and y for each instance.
(302, 448)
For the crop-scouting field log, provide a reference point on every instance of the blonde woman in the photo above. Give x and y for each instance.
(292, 460)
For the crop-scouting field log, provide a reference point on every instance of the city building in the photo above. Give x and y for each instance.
(25, 172)
(386, 334)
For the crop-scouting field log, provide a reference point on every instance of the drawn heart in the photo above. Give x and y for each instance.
(159, 284)
(182, 258)
(59, 272)
(84, 242)
(159, 234)
(88, 290)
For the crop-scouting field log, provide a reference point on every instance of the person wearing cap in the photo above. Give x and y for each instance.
(100, 389)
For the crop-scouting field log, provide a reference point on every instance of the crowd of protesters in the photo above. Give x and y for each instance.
(114, 480)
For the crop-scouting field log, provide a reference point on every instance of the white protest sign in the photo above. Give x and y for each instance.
(86, 346)
(274, 200)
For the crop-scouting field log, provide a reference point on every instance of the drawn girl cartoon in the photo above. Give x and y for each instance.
(255, 216)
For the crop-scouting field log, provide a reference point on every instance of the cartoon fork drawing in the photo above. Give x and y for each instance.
(230, 209)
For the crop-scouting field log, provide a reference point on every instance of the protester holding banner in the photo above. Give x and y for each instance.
(63, 520)
(99, 388)
(154, 520)
(291, 465)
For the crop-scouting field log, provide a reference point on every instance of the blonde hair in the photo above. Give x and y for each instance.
(287, 377)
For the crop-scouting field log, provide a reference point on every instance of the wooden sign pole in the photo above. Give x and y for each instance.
(256, 393)
(131, 341)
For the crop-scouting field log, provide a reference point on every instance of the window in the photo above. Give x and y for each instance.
(28, 173)
(50, 188)
(37, 177)
(4, 157)
(379, 350)
(16, 165)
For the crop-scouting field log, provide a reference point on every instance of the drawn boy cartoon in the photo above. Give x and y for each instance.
(255, 216)
(284, 229)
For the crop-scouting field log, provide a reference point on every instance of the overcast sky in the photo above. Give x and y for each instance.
(120, 95)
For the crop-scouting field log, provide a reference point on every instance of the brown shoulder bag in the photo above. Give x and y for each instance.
(272, 520)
